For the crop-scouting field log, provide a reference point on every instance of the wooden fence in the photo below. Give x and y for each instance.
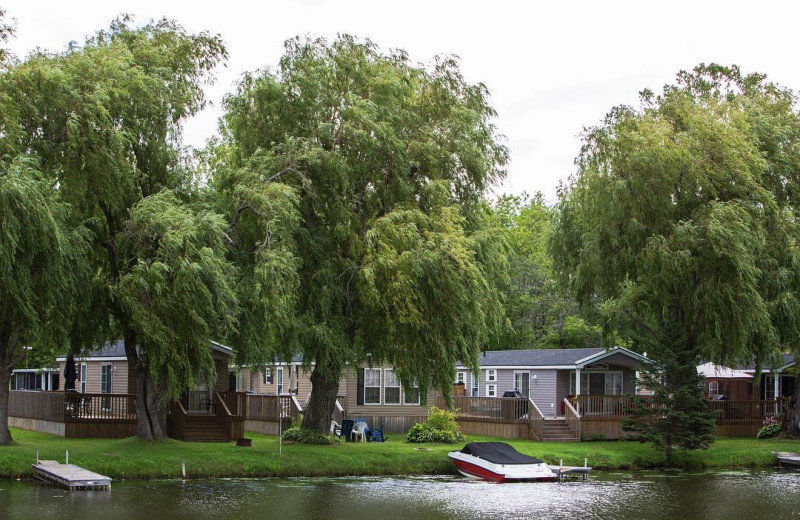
(71, 408)
(45, 406)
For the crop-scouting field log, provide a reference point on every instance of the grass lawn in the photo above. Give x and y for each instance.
(134, 459)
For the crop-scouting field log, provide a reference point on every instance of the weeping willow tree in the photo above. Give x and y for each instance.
(41, 260)
(682, 219)
(354, 183)
(102, 121)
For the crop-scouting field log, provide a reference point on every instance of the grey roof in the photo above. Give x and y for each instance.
(536, 357)
(117, 350)
(786, 359)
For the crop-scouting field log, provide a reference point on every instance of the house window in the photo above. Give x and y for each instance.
(491, 375)
(412, 395)
(769, 387)
(713, 388)
(475, 381)
(279, 380)
(461, 378)
(522, 383)
(613, 383)
(267, 376)
(372, 386)
(391, 390)
(491, 390)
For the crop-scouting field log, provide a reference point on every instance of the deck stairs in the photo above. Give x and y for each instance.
(557, 430)
(204, 428)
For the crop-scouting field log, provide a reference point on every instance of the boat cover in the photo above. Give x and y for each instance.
(498, 453)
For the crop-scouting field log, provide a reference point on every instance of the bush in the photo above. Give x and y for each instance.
(771, 428)
(441, 426)
(302, 436)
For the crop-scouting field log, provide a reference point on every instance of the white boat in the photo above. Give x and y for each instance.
(499, 462)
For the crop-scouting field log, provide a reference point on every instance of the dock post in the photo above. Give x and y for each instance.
(183, 468)
(67, 458)
(37, 456)
(586, 462)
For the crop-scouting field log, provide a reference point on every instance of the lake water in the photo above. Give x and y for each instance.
(733, 495)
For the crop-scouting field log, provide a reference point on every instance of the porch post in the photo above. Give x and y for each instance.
(578, 389)
(776, 381)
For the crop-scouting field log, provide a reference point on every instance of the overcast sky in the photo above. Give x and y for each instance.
(552, 68)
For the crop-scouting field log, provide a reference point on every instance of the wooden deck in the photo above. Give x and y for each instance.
(70, 476)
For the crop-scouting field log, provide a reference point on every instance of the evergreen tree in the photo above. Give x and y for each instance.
(677, 414)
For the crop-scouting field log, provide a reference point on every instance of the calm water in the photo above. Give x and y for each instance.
(618, 496)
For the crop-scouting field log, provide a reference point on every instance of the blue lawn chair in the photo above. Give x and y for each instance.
(377, 434)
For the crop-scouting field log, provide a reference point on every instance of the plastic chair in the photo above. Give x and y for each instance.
(336, 429)
(347, 428)
(377, 434)
(360, 431)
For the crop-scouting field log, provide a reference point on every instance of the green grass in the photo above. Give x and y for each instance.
(134, 459)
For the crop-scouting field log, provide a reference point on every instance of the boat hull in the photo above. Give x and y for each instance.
(475, 467)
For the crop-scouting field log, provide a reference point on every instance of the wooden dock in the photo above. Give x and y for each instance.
(70, 476)
(565, 472)
(788, 460)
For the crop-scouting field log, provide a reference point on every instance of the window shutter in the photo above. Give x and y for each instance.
(360, 392)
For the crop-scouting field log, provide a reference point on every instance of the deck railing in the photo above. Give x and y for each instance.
(99, 407)
(494, 409)
(745, 412)
(600, 407)
(573, 418)
(270, 407)
(535, 421)
(236, 402)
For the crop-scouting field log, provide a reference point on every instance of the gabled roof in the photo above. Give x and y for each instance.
(721, 372)
(553, 358)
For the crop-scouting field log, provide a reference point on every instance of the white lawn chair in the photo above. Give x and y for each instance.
(360, 430)
(336, 429)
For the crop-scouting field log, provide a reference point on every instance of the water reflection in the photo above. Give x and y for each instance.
(619, 496)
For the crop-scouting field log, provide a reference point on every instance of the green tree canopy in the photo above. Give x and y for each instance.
(41, 260)
(682, 216)
(540, 314)
(103, 121)
(357, 177)
(678, 213)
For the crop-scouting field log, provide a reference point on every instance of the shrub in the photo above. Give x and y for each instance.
(441, 426)
(770, 428)
(302, 436)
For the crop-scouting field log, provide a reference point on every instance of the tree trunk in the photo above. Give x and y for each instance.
(151, 413)
(318, 413)
(5, 433)
(791, 412)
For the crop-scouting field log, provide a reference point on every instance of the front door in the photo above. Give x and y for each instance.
(105, 384)
(279, 380)
(522, 383)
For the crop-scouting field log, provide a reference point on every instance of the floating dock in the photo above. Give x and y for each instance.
(565, 472)
(788, 460)
(70, 476)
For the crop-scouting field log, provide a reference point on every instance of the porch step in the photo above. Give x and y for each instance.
(204, 428)
(557, 431)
